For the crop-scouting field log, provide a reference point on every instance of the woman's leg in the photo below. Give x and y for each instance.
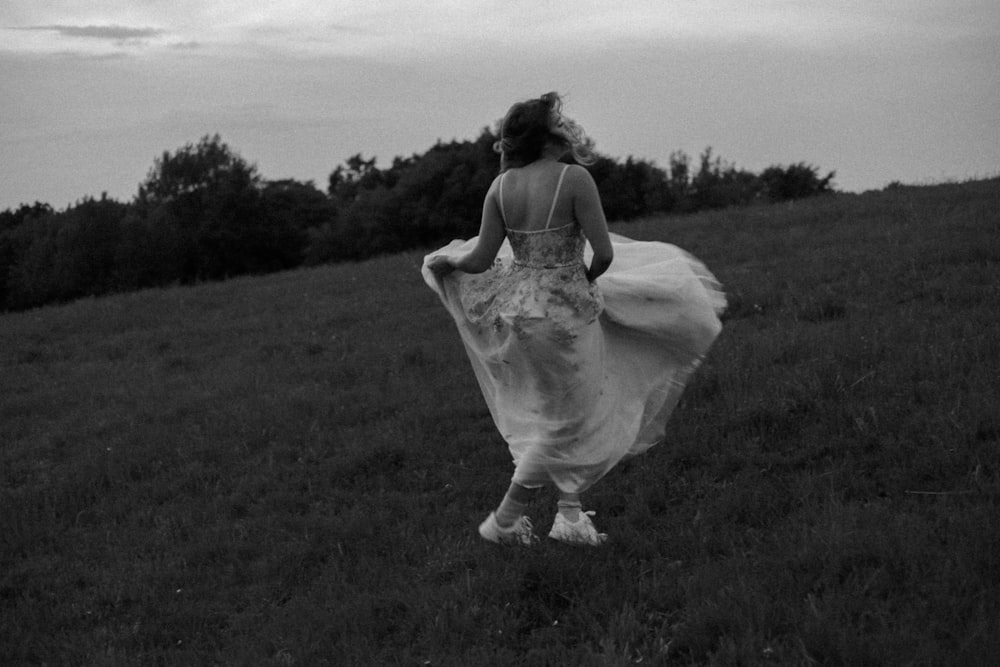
(514, 502)
(572, 525)
(569, 506)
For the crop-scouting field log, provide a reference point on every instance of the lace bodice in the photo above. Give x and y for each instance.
(545, 281)
(548, 248)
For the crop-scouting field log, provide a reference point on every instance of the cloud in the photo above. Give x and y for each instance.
(110, 32)
(402, 32)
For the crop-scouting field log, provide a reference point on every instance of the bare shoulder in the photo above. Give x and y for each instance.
(578, 176)
(494, 187)
(579, 181)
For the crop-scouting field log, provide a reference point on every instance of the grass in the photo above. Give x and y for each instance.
(289, 470)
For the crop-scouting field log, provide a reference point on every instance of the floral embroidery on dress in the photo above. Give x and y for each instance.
(548, 248)
(547, 280)
(577, 379)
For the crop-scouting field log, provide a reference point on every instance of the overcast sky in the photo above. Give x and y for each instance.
(92, 91)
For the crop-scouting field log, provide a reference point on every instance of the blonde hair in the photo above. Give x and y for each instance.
(529, 126)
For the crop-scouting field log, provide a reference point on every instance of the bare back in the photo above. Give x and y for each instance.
(528, 194)
(521, 199)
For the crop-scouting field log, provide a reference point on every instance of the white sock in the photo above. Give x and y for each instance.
(570, 510)
(510, 510)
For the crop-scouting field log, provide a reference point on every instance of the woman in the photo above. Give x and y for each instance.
(578, 373)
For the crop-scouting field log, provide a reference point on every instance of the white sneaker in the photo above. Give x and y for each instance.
(520, 532)
(581, 533)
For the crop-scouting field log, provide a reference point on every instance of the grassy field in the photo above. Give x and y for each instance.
(289, 470)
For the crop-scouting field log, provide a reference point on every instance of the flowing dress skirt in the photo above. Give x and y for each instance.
(573, 393)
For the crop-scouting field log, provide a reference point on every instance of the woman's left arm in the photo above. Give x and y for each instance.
(491, 236)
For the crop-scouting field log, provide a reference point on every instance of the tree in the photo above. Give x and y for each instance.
(58, 256)
(204, 213)
(717, 184)
(293, 209)
(794, 182)
(208, 164)
(149, 251)
(14, 241)
(87, 239)
(346, 182)
(11, 219)
(213, 199)
(419, 200)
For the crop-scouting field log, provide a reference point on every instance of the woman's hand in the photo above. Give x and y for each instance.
(441, 265)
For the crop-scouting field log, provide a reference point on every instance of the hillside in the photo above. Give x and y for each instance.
(289, 469)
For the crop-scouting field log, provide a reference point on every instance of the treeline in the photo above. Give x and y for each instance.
(204, 213)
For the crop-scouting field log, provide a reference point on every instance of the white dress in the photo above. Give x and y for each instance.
(579, 375)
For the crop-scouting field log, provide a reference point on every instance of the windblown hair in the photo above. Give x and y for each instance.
(529, 126)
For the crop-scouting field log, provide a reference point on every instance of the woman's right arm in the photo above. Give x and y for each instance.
(491, 236)
(590, 214)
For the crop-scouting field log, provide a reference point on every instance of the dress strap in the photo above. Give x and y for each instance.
(503, 214)
(555, 197)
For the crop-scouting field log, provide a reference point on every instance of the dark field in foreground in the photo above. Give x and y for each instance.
(290, 469)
